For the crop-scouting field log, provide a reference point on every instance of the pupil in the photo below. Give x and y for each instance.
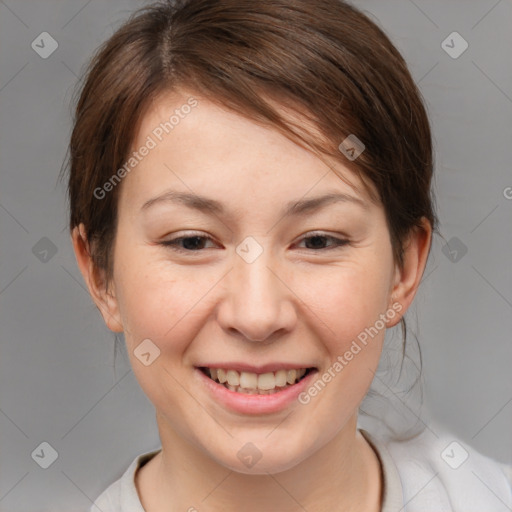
(194, 245)
(317, 238)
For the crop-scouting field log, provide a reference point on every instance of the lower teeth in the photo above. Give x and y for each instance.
(253, 391)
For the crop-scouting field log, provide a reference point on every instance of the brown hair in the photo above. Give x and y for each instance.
(325, 59)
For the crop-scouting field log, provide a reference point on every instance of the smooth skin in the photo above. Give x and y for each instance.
(303, 300)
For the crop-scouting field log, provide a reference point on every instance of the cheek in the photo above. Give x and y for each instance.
(163, 306)
(151, 299)
(347, 300)
(350, 302)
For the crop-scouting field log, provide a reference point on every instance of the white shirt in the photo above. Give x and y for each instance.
(424, 474)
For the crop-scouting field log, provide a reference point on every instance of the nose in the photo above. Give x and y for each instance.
(258, 304)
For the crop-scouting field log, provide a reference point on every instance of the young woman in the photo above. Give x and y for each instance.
(250, 205)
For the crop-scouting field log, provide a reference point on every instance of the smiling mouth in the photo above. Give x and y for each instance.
(256, 384)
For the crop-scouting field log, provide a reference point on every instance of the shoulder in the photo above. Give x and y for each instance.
(122, 494)
(438, 469)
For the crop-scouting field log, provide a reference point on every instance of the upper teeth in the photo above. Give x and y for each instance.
(263, 381)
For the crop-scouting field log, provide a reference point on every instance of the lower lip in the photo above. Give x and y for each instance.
(255, 404)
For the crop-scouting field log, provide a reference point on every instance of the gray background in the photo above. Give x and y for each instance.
(58, 380)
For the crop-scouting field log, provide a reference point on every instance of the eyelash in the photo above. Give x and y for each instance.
(173, 244)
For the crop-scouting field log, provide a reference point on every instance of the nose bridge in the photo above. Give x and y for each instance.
(257, 304)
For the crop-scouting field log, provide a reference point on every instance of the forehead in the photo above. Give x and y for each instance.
(197, 144)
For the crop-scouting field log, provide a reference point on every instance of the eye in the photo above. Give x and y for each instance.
(191, 243)
(317, 241)
(196, 242)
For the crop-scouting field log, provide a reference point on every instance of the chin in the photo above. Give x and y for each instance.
(264, 466)
(261, 457)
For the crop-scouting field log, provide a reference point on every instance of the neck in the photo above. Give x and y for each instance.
(344, 476)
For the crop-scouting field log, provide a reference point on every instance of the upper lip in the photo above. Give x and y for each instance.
(265, 368)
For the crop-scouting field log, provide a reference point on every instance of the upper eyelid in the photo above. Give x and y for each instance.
(308, 234)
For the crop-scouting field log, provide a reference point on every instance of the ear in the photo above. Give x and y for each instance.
(104, 299)
(407, 279)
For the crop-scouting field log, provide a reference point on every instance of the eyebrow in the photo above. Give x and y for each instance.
(292, 208)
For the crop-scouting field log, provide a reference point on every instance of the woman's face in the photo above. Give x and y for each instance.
(278, 279)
